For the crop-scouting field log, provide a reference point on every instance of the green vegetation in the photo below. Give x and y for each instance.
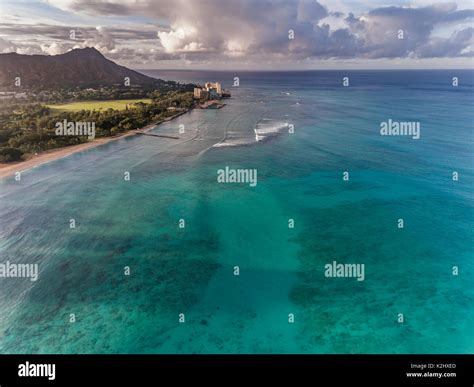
(30, 127)
(121, 104)
(10, 154)
(103, 93)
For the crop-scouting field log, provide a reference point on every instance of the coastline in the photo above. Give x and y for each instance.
(9, 169)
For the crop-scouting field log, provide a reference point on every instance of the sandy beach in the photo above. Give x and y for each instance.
(8, 169)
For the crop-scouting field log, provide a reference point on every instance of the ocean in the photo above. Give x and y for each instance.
(172, 261)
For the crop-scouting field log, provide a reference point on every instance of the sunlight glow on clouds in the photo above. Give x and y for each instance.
(180, 39)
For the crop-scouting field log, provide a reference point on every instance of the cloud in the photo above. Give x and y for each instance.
(53, 39)
(182, 39)
(378, 31)
(460, 43)
(55, 48)
(7, 46)
(256, 30)
(102, 40)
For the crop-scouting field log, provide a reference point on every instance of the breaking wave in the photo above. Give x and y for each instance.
(265, 129)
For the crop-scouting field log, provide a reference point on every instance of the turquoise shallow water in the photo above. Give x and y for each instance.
(173, 270)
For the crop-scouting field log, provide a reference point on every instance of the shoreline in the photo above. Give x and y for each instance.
(9, 169)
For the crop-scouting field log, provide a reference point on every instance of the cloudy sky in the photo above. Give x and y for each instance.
(247, 34)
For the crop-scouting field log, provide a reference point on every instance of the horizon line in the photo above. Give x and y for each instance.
(305, 70)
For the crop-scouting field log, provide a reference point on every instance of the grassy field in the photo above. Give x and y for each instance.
(117, 104)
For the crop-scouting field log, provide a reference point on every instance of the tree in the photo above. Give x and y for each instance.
(8, 155)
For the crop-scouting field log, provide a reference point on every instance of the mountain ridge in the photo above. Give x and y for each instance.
(78, 67)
